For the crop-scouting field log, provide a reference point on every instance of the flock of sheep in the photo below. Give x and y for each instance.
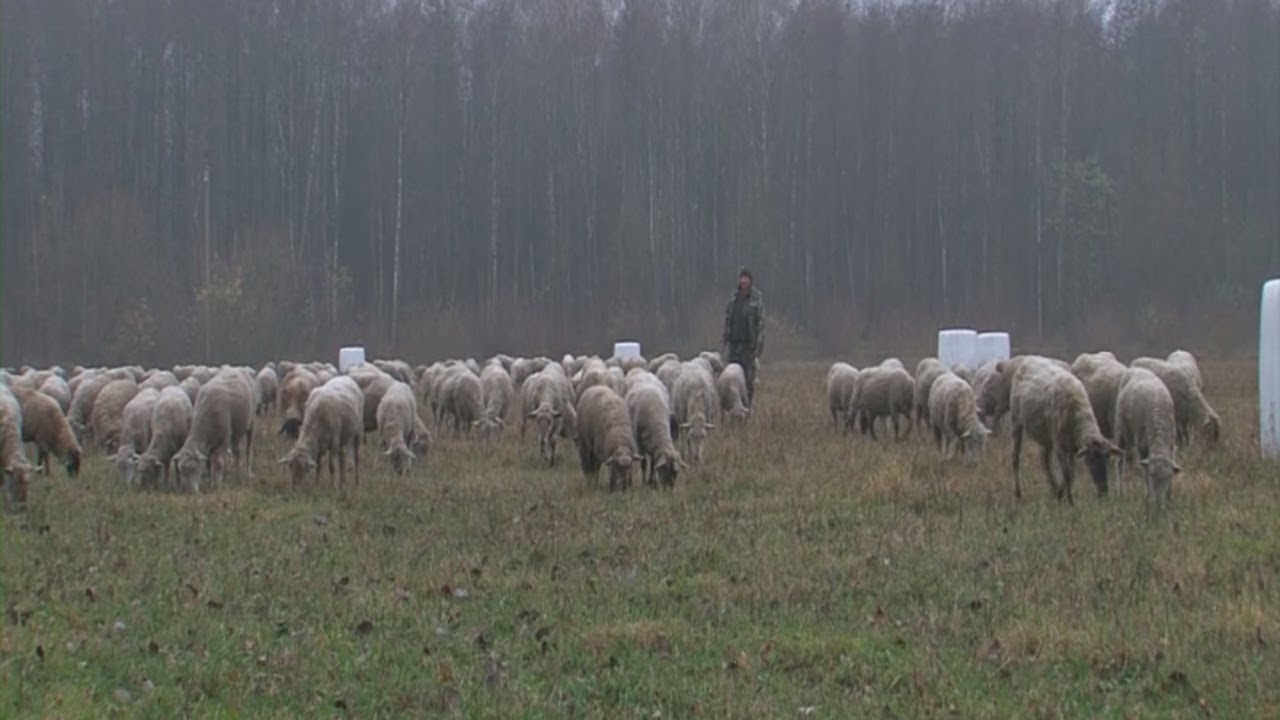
(178, 428)
(1091, 410)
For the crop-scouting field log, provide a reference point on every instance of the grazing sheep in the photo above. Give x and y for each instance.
(57, 388)
(373, 385)
(661, 360)
(714, 361)
(13, 459)
(1187, 361)
(84, 393)
(170, 424)
(1190, 408)
(649, 409)
(397, 369)
(893, 363)
(159, 380)
(462, 401)
(191, 387)
(522, 369)
(841, 379)
(605, 436)
(108, 412)
(547, 399)
(953, 417)
(881, 391)
(927, 370)
(422, 438)
(221, 418)
(594, 372)
(268, 389)
(991, 385)
(695, 400)
(616, 379)
(1100, 373)
(732, 389)
(1050, 405)
(44, 424)
(397, 423)
(668, 372)
(294, 391)
(497, 390)
(332, 421)
(1144, 425)
(964, 372)
(135, 433)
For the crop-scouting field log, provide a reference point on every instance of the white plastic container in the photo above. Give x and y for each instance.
(626, 349)
(349, 357)
(958, 345)
(1269, 371)
(992, 346)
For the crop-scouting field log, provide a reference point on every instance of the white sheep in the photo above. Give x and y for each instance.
(221, 419)
(268, 385)
(886, 391)
(695, 402)
(18, 472)
(497, 391)
(927, 370)
(170, 424)
(1100, 373)
(397, 424)
(1187, 361)
(649, 409)
(84, 393)
(461, 401)
(1145, 428)
(841, 379)
(57, 388)
(158, 381)
(732, 389)
(605, 436)
(1190, 407)
(108, 412)
(332, 421)
(135, 433)
(953, 417)
(1050, 405)
(547, 399)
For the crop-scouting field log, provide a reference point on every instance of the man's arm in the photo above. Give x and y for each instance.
(760, 325)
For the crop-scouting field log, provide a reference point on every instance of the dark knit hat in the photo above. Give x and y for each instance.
(744, 270)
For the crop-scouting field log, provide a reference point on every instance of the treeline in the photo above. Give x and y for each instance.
(236, 179)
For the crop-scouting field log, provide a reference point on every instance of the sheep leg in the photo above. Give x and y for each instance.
(937, 439)
(355, 461)
(1017, 461)
(42, 459)
(1066, 464)
(248, 448)
(342, 468)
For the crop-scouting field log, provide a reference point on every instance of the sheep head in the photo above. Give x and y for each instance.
(192, 467)
(401, 458)
(17, 478)
(72, 461)
(1096, 453)
(621, 465)
(1159, 472)
(127, 463)
(149, 469)
(973, 442)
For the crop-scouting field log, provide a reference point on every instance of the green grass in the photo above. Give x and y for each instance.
(798, 574)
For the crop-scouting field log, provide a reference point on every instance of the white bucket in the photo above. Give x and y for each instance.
(1269, 371)
(626, 349)
(992, 346)
(958, 346)
(349, 357)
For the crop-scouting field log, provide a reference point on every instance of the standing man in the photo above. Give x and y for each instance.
(743, 337)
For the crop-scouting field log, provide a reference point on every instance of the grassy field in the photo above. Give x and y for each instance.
(798, 574)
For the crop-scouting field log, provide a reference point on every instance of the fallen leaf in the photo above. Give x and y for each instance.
(153, 647)
(90, 593)
(365, 627)
(445, 671)
(40, 651)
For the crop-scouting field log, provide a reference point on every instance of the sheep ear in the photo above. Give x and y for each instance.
(556, 413)
(640, 458)
(709, 426)
(501, 423)
(1177, 468)
(387, 453)
(533, 414)
(684, 426)
(283, 461)
(1145, 462)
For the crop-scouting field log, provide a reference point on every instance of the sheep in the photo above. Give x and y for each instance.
(649, 410)
(840, 382)
(332, 421)
(295, 389)
(13, 459)
(605, 436)
(1145, 427)
(83, 395)
(714, 360)
(570, 364)
(497, 390)
(158, 381)
(170, 423)
(521, 370)
(1050, 405)
(44, 424)
(462, 401)
(1190, 408)
(221, 418)
(616, 379)
(927, 370)
(473, 366)
(882, 391)
(397, 369)
(953, 417)
(992, 383)
(135, 433)
(669, 372)
(191, 387)
(547, 399)
(1100, 374)
(627, 364)
(1187, 361)
(964, 372)
(108, 411)
(594, 372)
(893, 363)
(373, 385)
(268, 385)
(397, 414)
(57, 388)
(421, 442)
(661, 360)
(732, 389)
(695, 400)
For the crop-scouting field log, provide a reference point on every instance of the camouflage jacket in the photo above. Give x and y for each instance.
(753, 306)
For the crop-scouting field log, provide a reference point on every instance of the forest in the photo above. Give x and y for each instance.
(236, 180)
